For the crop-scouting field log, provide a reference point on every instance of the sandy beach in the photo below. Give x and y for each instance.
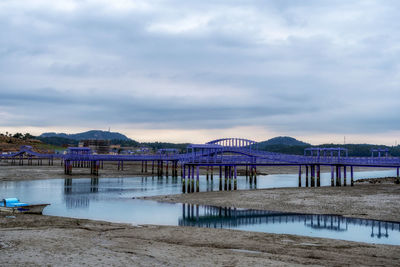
(34, 240)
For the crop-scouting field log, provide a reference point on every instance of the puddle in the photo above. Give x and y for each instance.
(245, 250)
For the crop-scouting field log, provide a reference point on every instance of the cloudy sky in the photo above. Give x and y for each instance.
(191, 71)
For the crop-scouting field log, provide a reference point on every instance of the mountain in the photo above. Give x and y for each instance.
(283, 140)
(94, 134)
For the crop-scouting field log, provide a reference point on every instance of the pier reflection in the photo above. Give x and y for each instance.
(219, 217)
(79, 192)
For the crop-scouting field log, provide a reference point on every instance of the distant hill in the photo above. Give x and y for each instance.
(283, 140)
(58, 141)
(93, 134)
(284, 144)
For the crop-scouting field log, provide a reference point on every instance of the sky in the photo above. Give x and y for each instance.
(194, 71)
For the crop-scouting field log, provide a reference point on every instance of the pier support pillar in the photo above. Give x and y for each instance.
(332, 176)
(226, 179)
(197, 178)
(306, 175)
(352, 176)
(338, 175)
(96, 166)
(250, 175)
(192, 181)
(312, 175)
(299, 175)
(188, 180)
(220, 178)
(398, 176)
(183, 179)
(318, 175)
(235, 178)
(344, 176)
(230, 178)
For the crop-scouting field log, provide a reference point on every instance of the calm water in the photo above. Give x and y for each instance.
(110, 199)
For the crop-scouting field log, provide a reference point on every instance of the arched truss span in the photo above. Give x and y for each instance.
(235, 142)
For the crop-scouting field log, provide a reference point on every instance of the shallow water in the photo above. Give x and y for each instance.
(110, 199)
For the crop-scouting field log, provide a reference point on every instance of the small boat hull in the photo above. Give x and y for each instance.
(31, 209)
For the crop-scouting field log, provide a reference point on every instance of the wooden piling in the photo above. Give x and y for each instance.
(344, 176)
(332, 176)
(318, 175)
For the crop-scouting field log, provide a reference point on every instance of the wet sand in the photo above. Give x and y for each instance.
(34, 240)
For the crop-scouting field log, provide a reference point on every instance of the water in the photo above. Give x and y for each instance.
(110, 199)
(327, 226)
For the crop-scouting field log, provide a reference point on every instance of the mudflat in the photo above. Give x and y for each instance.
(34, 240)
(368, 201)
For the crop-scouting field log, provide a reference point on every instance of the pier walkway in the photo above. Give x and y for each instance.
(225, 155)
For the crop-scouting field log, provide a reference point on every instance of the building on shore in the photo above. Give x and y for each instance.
(97, 146)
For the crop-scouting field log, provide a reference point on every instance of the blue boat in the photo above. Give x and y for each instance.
(13, 205)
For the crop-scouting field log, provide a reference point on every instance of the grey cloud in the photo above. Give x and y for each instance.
(316, 78)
